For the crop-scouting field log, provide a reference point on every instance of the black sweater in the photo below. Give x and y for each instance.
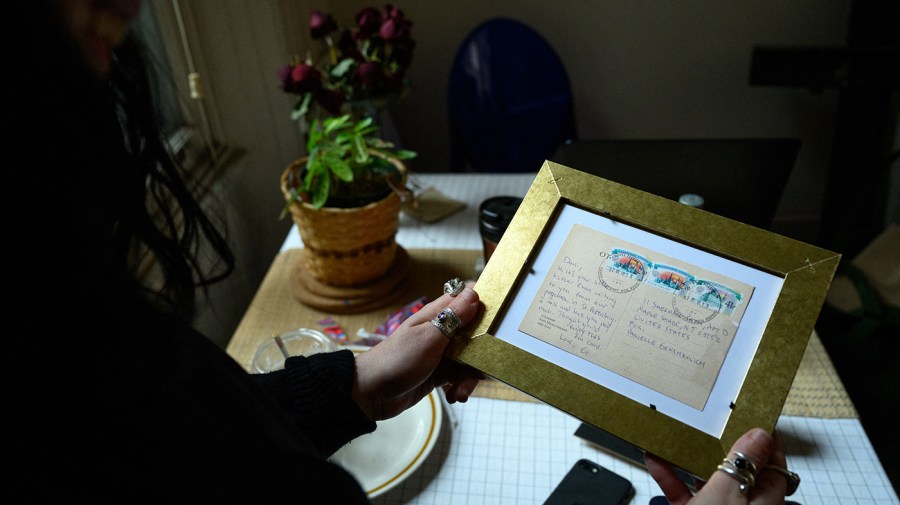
(144, 409)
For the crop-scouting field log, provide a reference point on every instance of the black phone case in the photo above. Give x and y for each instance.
(588, 483)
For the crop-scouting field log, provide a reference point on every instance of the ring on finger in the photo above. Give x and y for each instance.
(741, 462)
(746, 481)
(454, 286)
(447, 321)
(793, 480)
(740, 468)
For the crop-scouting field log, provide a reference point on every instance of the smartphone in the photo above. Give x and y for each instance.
(588, 483)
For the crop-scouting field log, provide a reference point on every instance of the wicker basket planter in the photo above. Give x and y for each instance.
(345, 246)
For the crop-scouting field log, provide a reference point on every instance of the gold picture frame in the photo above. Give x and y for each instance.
(784, 283)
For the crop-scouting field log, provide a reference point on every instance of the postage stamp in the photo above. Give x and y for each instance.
(623, 271)
(720, 296)
(670, 279)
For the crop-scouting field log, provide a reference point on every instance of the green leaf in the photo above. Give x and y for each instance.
(405, 154)
(379, 144)
(342, 67)
(340, 168)
(343, 139)
(366, 128)
(363, 124)
(302, 107)
(319, 194)
(315, 171)
(333, 124)
(315, 137)
(361, 153)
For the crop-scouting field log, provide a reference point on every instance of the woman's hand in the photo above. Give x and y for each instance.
(758, 446)
(398, 372)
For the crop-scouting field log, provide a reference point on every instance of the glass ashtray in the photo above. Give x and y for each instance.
(300, 342)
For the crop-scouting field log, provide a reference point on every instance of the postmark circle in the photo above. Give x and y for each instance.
(698, 305)
(621, 271)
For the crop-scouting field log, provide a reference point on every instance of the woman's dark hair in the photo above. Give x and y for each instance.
(162, 217)
(100, 180)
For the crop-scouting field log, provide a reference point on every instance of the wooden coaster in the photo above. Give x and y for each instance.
(350, 299)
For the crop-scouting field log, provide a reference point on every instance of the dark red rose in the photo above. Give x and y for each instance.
(368, 21)
(305, 78)
(391, 11)
(396, 28)
(321, 24)
(330, 100)
(369, 74)
(394, 13)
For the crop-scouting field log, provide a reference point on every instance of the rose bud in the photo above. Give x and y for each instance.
(306, 78)
(368, 21)
(321, 24)
(391, 11)
(395, 29)
(369, 74)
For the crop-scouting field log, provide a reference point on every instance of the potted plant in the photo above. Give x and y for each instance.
(347, 165)
(345, 196)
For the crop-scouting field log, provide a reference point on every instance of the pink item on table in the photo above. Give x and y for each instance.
(333, 330)
(396, 319)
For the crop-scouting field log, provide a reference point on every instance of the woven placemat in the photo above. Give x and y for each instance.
(817, 390)
(274, 309)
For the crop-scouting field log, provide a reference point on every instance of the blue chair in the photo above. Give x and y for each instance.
(509, 102)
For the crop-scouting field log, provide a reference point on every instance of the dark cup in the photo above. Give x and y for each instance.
(494, 216)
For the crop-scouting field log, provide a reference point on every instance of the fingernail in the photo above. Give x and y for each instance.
(757, 434)
(468, 295)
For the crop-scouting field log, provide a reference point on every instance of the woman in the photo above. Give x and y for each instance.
(134, 403)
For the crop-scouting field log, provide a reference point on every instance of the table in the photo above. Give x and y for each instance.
(505, 447)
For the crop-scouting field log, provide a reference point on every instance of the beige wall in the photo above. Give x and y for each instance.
(650, 69)
(639, 69)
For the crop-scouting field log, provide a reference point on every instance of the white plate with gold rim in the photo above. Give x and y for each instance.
(396, 449)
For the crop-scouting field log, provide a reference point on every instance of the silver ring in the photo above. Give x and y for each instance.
(454, 286)
(742, 462)
(746, 481)
(447, 321)
(740, 468)
(793, 480)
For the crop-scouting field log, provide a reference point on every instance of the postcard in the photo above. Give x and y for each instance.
(643, 315)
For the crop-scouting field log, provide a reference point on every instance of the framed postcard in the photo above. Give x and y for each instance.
(670, 328)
